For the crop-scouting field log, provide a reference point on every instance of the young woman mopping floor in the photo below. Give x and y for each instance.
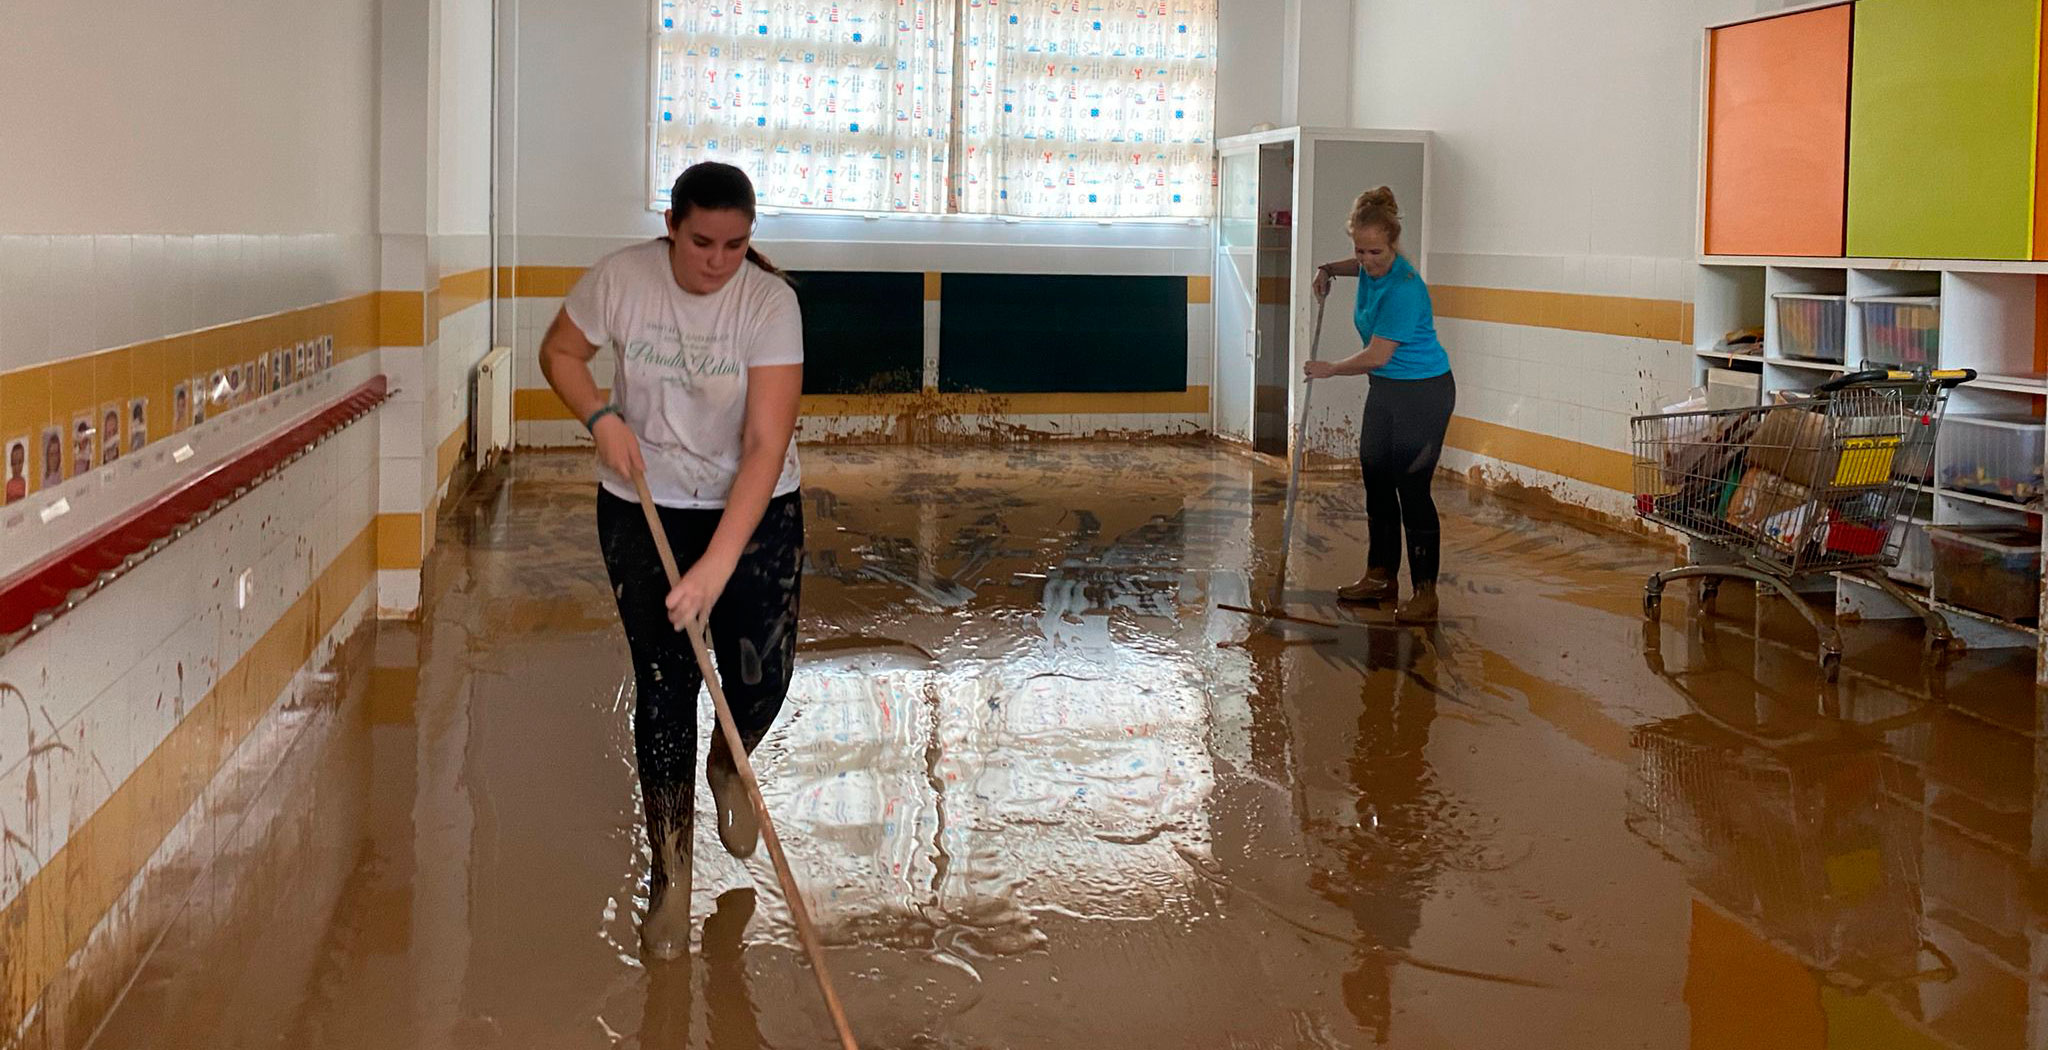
(709, 351)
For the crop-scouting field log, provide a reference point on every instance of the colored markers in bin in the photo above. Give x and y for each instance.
(1813, 327)
(1901, 330)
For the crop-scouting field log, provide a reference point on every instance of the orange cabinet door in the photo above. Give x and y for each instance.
(1778, 135)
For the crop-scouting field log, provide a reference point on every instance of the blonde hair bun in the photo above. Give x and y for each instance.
(1382, 198)
(1376, 207)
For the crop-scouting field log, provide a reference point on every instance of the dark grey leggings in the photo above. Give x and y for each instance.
(752, 633)
(1398, 447)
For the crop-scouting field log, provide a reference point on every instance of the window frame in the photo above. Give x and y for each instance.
(656, 193)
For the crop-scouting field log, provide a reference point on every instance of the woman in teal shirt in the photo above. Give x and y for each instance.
(1406, 413)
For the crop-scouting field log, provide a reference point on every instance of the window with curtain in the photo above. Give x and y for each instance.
(1050, 108)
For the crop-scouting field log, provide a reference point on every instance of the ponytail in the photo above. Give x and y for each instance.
(754, 256)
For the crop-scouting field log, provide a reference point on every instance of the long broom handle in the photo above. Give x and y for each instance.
(1300, 437)
(805, 931)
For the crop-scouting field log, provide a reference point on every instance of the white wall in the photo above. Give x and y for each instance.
(434, 221)
(1251, 41)
(183, 634)
(1565, 130)
(172, 166)
(465, 126)
(1567, 141)
(141, 116)
(463, 173)
(1315, 84)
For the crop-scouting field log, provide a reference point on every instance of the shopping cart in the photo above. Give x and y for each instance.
(1781, 492)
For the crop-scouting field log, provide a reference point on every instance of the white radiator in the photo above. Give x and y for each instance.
(491, 408)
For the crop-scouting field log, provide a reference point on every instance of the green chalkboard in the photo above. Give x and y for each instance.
(863, 331)
(1059, 333)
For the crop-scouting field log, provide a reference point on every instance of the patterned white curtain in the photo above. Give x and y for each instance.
(1064, 108)
(839, 104)
(1087, 108)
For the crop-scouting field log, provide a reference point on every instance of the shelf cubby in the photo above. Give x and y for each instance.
(1988, 322)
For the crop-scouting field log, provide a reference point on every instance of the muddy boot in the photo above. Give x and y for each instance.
(736, 826)
(1377, 585)
(1420, 606)
(665, 929)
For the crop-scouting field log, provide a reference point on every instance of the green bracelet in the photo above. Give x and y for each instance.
(608, 410)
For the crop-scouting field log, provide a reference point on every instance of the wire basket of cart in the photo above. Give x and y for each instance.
(1800, 488)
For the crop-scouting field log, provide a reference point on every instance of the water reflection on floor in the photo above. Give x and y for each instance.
(1042, 793)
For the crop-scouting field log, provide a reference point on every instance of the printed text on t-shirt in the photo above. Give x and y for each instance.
(694, 356)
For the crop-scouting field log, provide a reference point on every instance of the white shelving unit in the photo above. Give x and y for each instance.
(1987, 322)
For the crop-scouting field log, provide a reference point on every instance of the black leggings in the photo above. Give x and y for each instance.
(1398, 448)
(752, 634)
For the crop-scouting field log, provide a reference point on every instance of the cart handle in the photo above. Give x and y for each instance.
(1948, 379)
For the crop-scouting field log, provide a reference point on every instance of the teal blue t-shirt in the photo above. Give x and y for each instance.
(1397, 307)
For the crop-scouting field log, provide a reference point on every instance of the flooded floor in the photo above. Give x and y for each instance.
(1042, 792)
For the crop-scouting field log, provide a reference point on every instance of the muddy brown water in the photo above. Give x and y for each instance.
(1041, 793)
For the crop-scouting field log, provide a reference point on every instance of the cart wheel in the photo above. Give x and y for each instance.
(1653, 606)
(1830, 665)
(1710, 589)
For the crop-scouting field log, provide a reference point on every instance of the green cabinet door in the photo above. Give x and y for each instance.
(1941, 128)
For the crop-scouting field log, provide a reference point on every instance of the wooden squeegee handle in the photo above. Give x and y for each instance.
(805, 931)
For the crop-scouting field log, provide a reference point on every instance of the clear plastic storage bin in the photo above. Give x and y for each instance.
(1990, 456)
(1916, 554)
(1813, 327)
(1993, 569)
(1728, 388)
(1901, 329)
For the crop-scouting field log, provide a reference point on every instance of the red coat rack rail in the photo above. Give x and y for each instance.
(33, 598)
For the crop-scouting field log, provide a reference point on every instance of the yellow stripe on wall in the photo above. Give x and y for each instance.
(1667, 319)
(541, 405)
(429, 534)
(1572, 459)
(545, 282)
(57, 910)
(460, 291)
(53, 394)
(401, 319)
(450, 452)
(399, 542)
(414, 318)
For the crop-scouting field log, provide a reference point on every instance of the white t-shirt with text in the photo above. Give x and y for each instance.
(682, 360)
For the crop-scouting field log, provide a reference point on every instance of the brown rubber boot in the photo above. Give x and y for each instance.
(737, 830)
(1374, 587)
(665, 930)
(1420, 607)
